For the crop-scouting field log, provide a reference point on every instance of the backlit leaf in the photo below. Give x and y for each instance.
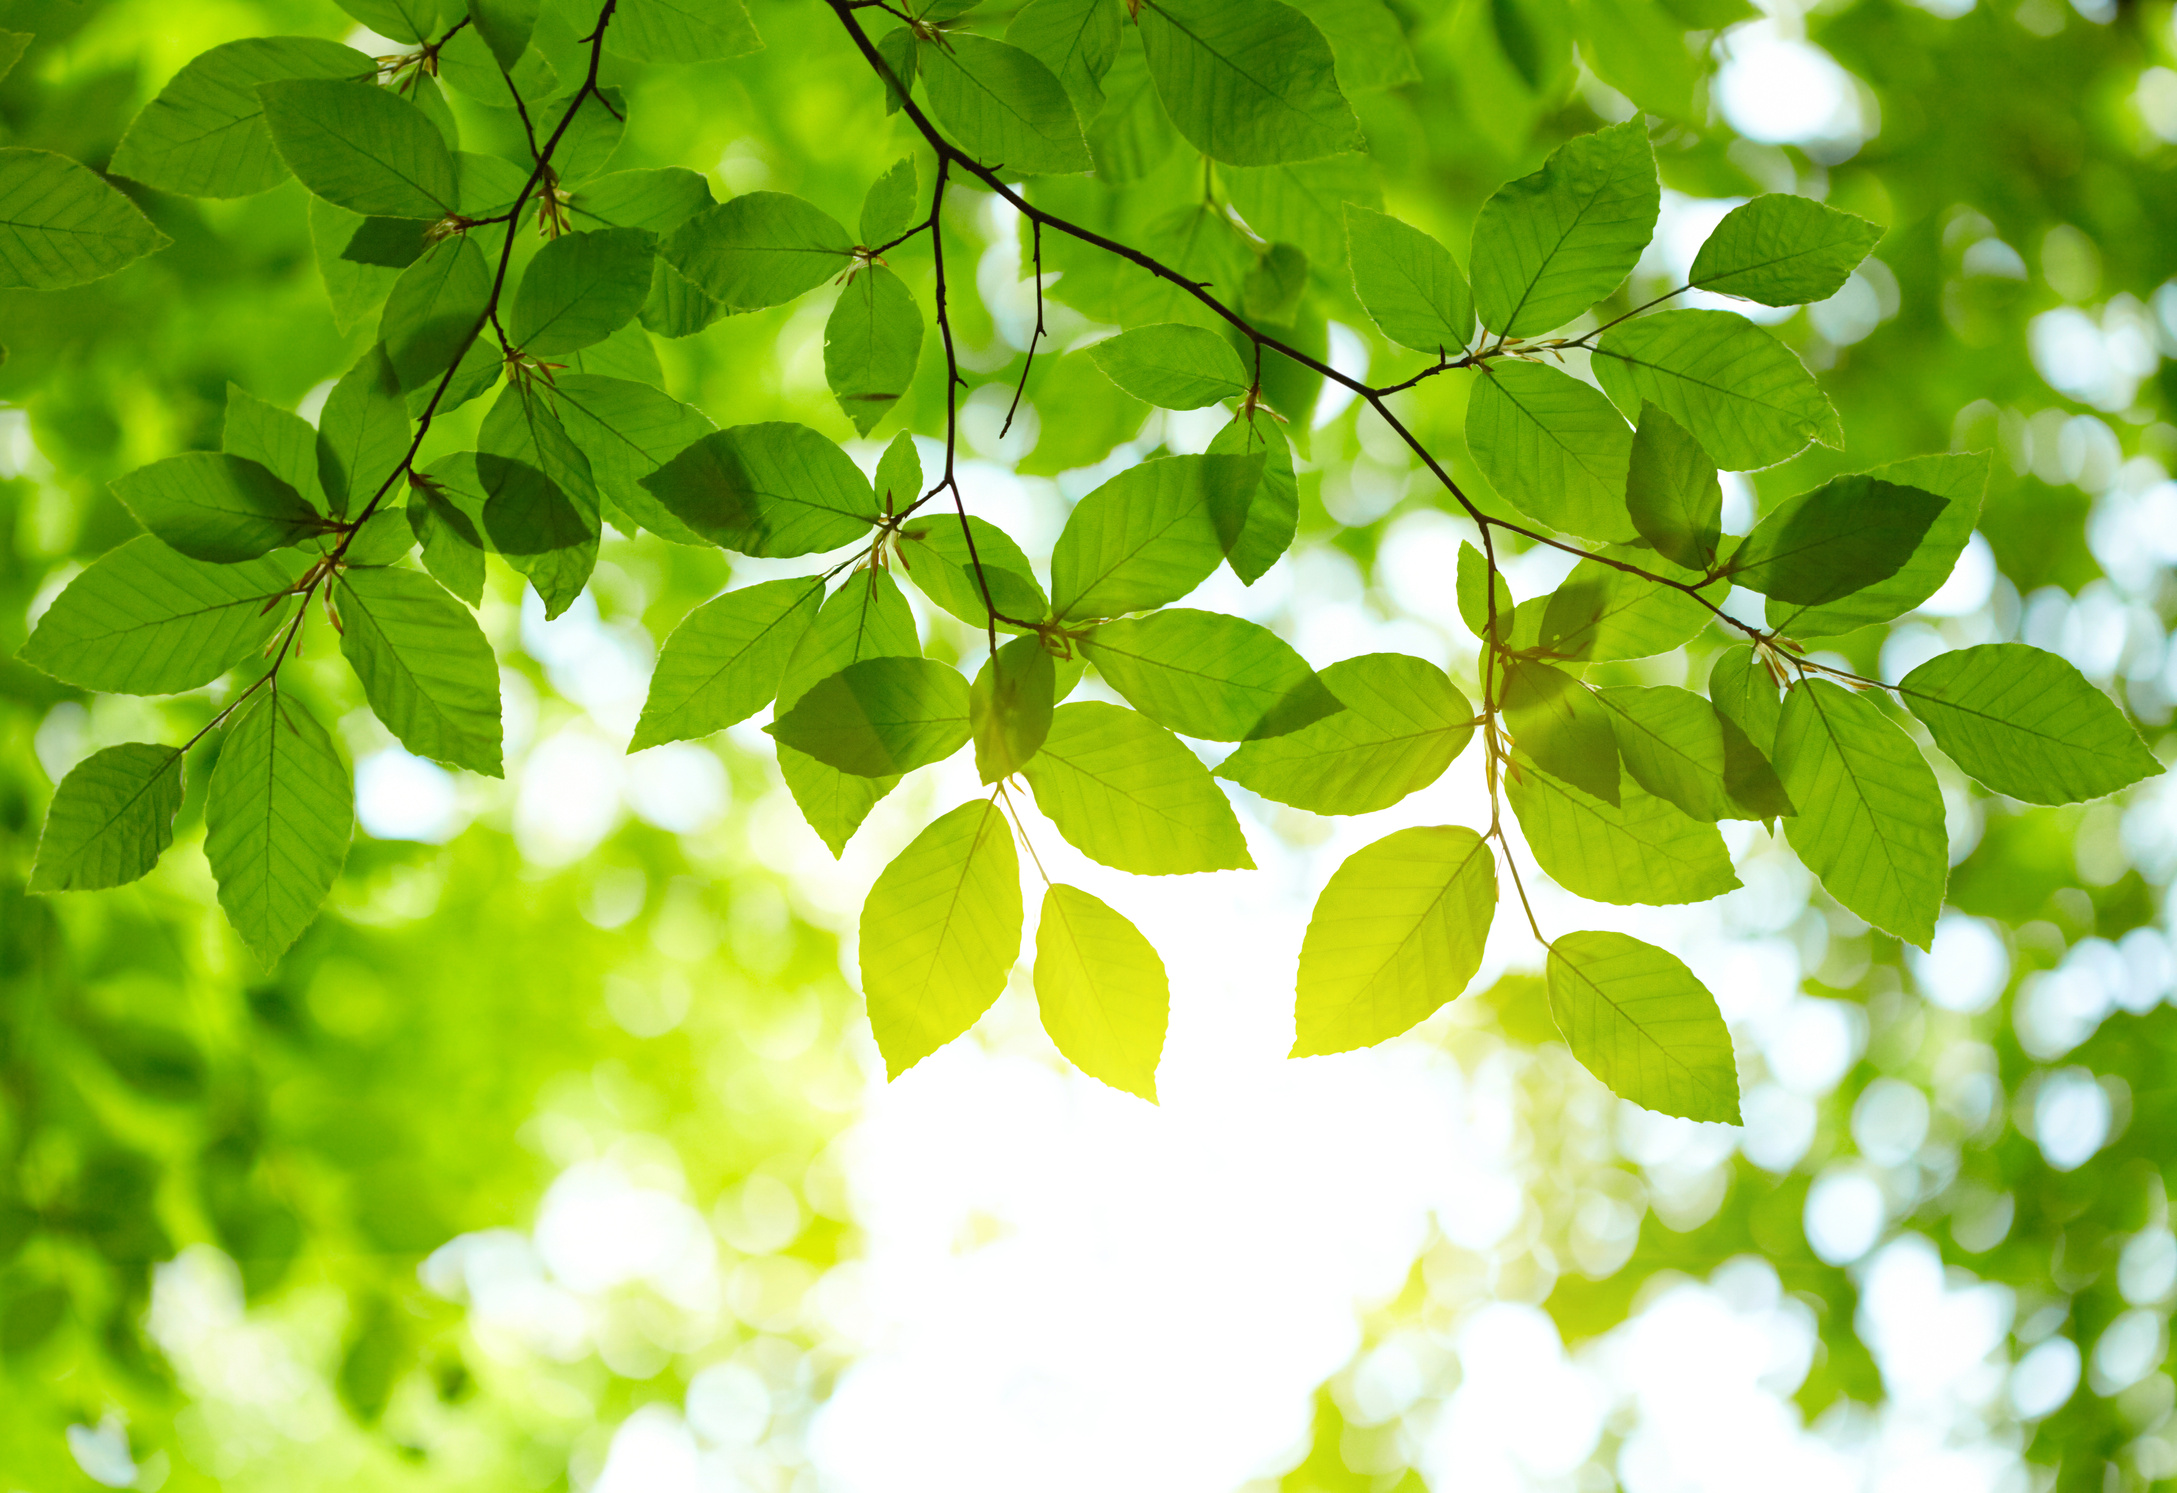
(1397, 932)
(681, 30)
(276, 821)
(61, 224)
(1076, 39)
(362, 434)
(1002, 105)
(1550, 245)
(940, 932)
(2027, 723)
(1640, 851)
(1409, 283)
(1783, 250)
(144, 620)
(110, 820)
(205, 135)
(361, 147)
(1273, 512)
(216, 507)
(1208, 675)
(1149, 535)
(1840, 538)
(1742, 394)
(1249, 82)
(1172, 365)
(436, 307)
(1101, 990)
(872, 342)
(880, 717)
(1870, 821)
(1558, 722)
(1959, 478)
(760, 249)
(1402, 725)
(426, 669)
(1009, 707)
(1553, 447)
(1127, 793)
(580, 289)
(774, 489)
(1672, 493)
(1638, 1020)
(723, 663)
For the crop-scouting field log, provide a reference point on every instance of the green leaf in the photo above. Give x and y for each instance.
(1250, 82)
(111, 819)
(1273, 288)
(1672, 492)
(382, 539)
(681, 30)
(940, 932)
(627, 353)
(1131, 136)
(659, 200)
(1301, 205)
(775, 489)
(362, 433)
(205, 134)
(761, 249)
(278, 440)
(1208, 675)
(1959, 479)
(892, 206)
(216, 507)
(1638, 1020)
(1559, 723)
(1368, 41)
(1475, 583)
(403, 20)
(590, 139)
(1741, 393)
(901, 57)
(1641, 852)
(436, 309)
(1409, 283)
(426, 668)
(1150, 535)
(276, 822)
(628, 430)
(1741, 686)
(1273, 513)
(1550, 245)
(872, 342)
(1600, 612)
(1009, 707)
(1783, 250)
(1398, 931)
(453, 545)
(1002, 105)
(507, 25)
(1077, 40)
(938, 560)
(144, 620)
(867, 617)
(1127, 793)
(361, 147)
(881, 717)
(395, 243)
(1680, 747)
(12, 46)
(1403, 724)
(1172, 365)
(61, 224)
(724, 662)
(1641, 50)
(580, 289)
(355, 290)
(2027, 724)
(1101, 989)
(1826, 544)
(898, 482)
(540, 503)
(1870, 821)
(1553, 447)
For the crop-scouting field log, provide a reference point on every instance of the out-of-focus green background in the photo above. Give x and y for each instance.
(556, 1154)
